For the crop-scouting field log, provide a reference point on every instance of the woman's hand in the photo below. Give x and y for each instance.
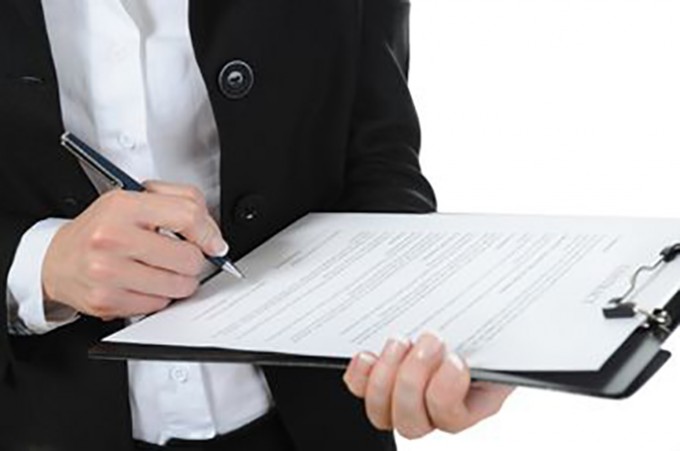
(417, 388)
(111, 262)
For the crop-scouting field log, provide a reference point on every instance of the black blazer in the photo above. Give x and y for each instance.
(327, 125)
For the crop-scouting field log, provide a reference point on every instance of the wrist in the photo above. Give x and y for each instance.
(50, 265)
(26, 276)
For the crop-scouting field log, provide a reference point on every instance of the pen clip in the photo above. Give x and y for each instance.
(78, 150)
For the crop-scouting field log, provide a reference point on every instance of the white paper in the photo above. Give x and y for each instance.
(520, 293)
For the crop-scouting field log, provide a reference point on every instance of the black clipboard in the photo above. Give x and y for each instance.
(638, 358)
(628, 369)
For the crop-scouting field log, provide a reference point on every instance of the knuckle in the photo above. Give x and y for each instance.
(450, 417)
(185, 286)
(99, 304)
(196, 194)
(378, 412)
(406, 433)
(193, 285)
(379, 422)
(194, 261)
(411, 432)
(435, 403)
(98, 270)
(453, 425)
(453, 429)
(162, 303)
(379, 388)
(193, 214)
(351, 384)
(102, 238)
(156, 304)
(116, 199)
(409, 381)
(382, 380)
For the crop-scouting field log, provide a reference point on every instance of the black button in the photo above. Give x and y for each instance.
(249, 209)
(236, 79)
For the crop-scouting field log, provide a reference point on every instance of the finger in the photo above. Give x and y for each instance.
(190, 192)
(138, 277)
(119, 303)
(183, 216)
(410, 415)
(381, 383)
(357, 373)
(486, 399)
(159, 251)
(134, 304)
(447, 393)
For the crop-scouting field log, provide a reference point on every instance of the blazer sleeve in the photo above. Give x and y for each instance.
(11, 231)
(382, 167)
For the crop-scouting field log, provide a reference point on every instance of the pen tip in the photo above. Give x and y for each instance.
(233, 270)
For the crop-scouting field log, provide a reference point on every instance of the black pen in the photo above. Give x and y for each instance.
(118, 177)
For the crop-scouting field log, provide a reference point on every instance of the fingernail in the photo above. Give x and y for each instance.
(365, 362)
(219, 247)
(456, 360)
(428, 346)
(435, 334)
(395, 348)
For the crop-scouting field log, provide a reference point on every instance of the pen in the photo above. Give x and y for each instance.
(120, 178)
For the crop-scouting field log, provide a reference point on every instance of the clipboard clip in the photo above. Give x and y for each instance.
(620, 308)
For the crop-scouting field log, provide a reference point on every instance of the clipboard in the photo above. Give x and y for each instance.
(626, 370)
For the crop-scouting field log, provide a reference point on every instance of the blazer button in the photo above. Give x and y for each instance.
(249, 209)
(236, 79)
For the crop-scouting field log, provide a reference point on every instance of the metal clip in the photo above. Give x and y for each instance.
(658, 318)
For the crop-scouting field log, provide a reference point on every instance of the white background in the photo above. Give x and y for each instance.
(555, 107)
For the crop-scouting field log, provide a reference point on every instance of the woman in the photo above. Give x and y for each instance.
(252, 113)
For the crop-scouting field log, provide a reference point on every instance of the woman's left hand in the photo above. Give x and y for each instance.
(417, 388)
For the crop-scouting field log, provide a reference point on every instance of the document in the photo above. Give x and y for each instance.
(514, 293)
